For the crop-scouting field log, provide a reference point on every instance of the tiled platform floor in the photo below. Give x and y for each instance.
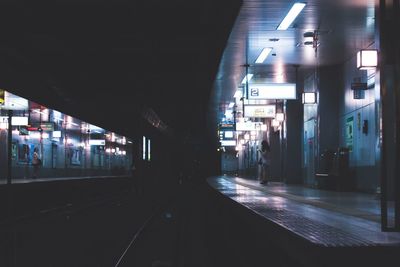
(324, 218)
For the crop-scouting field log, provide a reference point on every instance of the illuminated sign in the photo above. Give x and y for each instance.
(37, 135)
(1, 96)
(309, 98)
(259, 111)
(32, 129)
(272, 91)
(45, 126)
(144, 148)
(226, 127)
(56, 134)
(228, 143)
(97, 142)
(19, 121)
(15, 121)
(228, 134)
(15, 102)
(249, 126)
(148, 150)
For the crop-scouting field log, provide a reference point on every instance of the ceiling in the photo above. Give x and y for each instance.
(110, 61)
(342, 28)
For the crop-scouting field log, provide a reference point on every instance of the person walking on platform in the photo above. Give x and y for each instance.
(264, 162)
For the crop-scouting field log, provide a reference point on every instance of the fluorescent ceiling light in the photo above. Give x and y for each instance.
(291, 16)
(228, 113)
(264, 54)
(247, 78)
(238, 94)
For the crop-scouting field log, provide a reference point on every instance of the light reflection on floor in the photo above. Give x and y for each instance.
(320, 214)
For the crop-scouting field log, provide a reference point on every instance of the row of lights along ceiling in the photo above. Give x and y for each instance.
(284, 25)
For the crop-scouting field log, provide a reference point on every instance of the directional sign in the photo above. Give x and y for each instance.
(272, 91)
(259, 111)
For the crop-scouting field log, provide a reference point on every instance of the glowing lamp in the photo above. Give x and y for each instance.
(309, 98)
(263, 127)
(275, 123)
(280, 116)
(367, 59)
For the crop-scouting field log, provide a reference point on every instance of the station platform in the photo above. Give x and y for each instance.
(316, 222)
(55, 179)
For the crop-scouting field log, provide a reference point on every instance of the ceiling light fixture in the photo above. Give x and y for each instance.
(247, 78)
(264, 54)
(238, 94)
(309, 98)
(291, 16)
(367, 59)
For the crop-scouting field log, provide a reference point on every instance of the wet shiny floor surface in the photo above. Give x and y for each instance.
(325, 218)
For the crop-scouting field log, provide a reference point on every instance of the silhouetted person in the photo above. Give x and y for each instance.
(264, 162)
(36, 162)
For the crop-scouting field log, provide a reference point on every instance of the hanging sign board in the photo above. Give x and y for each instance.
(248, 126)
(226, 127)
(97, 142)
(15, 120)
(44, 126)
(47, 126)
(272, 91)
(228, 142)
(259, 111)
(19, 121)
(359, 86)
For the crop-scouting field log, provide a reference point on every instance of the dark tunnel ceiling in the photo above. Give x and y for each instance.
(104, 60)
(343, 27)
